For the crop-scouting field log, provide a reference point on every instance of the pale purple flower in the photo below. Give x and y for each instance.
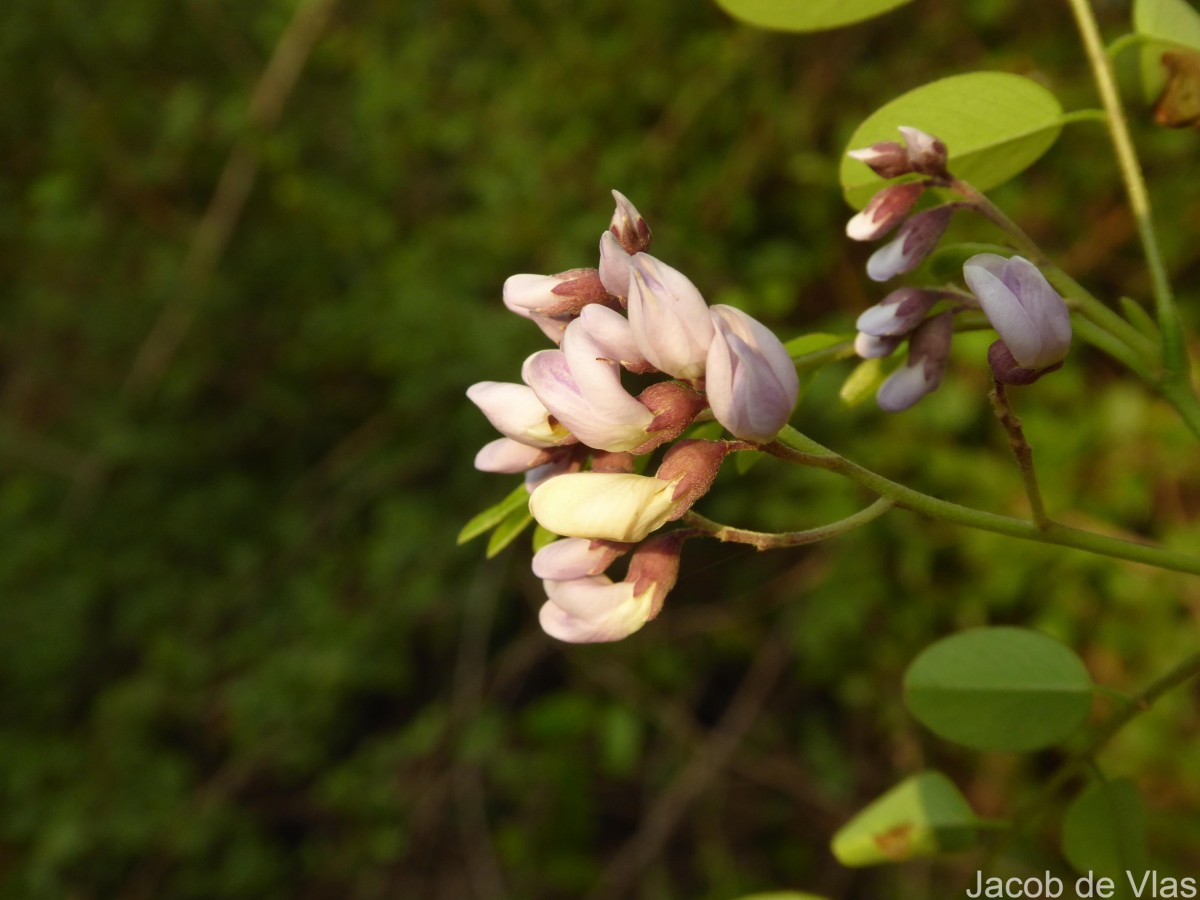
(928, 350)
(670, 319)
(613, 337)
(916, 239)
(564, 294)
(887, 159)
(1028, 314)
(926, 153)
(869, 346)
(750, 379)
(581, 387)
(593, 610)
(516, 412)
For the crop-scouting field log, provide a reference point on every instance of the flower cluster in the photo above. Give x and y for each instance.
(1025, 310)
(574, 430)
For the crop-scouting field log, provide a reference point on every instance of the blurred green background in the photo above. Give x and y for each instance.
(250, 259)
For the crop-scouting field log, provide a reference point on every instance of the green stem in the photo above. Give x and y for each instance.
(762, 540)
(1174, 348)
(795, 447)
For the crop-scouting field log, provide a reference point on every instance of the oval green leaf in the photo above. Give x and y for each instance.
(922, 816)
(806, 15)
(508, 530)
(1104, 830)
(1165, 24)
(494, 515)
(993, 124)
(999, 689)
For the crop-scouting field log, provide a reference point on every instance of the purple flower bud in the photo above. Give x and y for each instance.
(628, 226)
(674, 407)
(868, 346)
(614, 266)
(884, 211)
(508, 457)
(887, 159)
(1008, 371)
(928, 350)
(916, 240)
(516, 412)
(750, 379)
(1028, 314)
(582, 389)
(926, 154)
(576, 558)
(564, 294)
(670, 319)
(898, 313)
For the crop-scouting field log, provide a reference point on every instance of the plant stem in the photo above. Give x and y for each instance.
(795, 447)
(1174, 348)
(1022, 451)
(761, 540)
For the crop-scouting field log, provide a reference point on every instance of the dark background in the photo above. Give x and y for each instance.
(250, 260)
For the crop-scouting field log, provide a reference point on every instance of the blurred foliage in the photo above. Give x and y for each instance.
(241, 655)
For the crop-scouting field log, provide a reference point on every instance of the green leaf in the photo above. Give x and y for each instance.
(806, 15)
(508, 530)
(862, 383)
(921, 816)
(494, 515)
(993, 124)
(1165, 24)
(542, 537)
(1104, 829)
(999, 689)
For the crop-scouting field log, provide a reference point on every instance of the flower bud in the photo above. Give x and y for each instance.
(884, 211)
(582, 389)
(593, 608)
(628, 226)
(670, 319)
(916, 240)
(570, 558)
(674, 407)
(603, 505)
(564, 294)
(1029, 315)
(750, 379)
(508, 457)
(868, 346)
(898, 313)
(516, 412)
(926, 154)
(887, 159)
(614, 266)
(928, 350)
(613, 337)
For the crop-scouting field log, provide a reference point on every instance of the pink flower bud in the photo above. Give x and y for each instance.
(516, 412)
(926, 154)
(887, 159)
(614, 266)
(928, 350)
(564, 294)
(1028, 314)
(916, 240)
(674, 407)
(628, 226)
(750, 380)
(570, 558)
(508, 457)
(670, 319)
(613, 336)
(884, 211)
